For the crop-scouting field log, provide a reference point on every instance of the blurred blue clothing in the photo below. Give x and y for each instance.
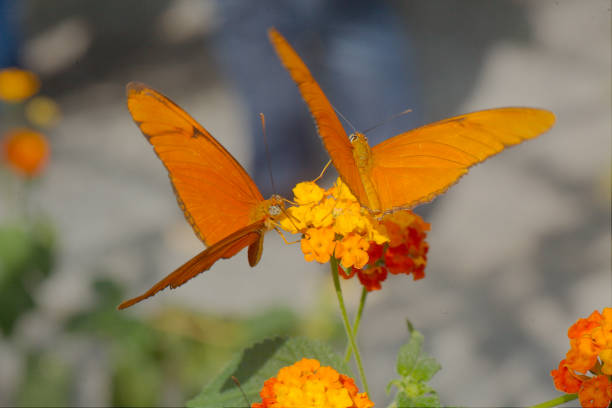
(9, 35)
(356, 50)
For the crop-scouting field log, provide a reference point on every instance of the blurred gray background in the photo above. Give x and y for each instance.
(519, 249)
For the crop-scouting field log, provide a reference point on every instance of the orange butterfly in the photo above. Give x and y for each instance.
(219, 199)
(416, 166)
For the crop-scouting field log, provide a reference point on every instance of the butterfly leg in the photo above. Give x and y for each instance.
(285, 239)
(289, 201)
(322, 172)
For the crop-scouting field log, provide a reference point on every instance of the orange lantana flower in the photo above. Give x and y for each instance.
(565, 380)
(306, 384)
(596, 392)
(25, 151)
(587, 367)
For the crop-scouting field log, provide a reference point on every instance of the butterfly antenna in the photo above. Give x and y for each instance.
(389, 119)
(235, 380)
(263, 127)
(345, 119)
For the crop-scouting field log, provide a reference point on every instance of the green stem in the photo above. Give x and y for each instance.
(349, 349)
(333, 262)
(556, 401)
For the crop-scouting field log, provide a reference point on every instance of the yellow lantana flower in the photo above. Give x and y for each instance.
(352, 251)
(329, 217)
(17, 85)
(349, 218)
(318, 244)
(307, 193)
(42, 111)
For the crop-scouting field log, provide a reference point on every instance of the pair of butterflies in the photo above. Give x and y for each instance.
(227, 211)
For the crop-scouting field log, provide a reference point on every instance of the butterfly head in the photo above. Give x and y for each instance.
(356, 137)
(276, 205)
(268, 210)
(361, 149)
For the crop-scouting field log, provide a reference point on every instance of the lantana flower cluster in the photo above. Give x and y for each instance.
(404, 253)
(307, 384)
(333, 223)
(25, 150)
(587, 367)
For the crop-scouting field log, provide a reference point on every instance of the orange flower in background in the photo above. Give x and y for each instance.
(25, 150)
(565, 380)
(596, 392)
(587, 366)
(16, 84)
(584, 325)
(306, 384)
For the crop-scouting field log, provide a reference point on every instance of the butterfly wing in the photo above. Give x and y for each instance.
(215, 193)
(251, 236)
(414, 167)
(328, 125)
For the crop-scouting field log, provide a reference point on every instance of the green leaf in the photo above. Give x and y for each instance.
(256, 364)
(409, 354)
(415, 368)
(425, 401)
(413, 362)
(426, 368)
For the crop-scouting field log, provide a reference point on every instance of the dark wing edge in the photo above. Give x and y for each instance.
(251, 235)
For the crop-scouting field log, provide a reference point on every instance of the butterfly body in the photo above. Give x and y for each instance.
(362, 154)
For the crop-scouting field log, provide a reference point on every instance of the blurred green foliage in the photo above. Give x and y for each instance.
(46, 382)
(27, 256)
(176, 350)
(158, 359)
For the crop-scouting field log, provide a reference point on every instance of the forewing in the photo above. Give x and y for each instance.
(215, 193)
(328, 125)
(226, 248)
(414, 167)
